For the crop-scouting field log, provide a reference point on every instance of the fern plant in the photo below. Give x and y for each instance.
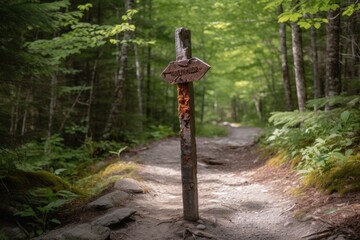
(40, 216)
(322, 139)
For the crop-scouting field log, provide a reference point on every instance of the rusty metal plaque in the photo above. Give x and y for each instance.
(185, 71)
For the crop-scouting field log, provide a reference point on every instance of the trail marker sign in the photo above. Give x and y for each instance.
(183, 72)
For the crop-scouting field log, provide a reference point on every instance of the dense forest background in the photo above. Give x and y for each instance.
(82, 78)
(91, 70)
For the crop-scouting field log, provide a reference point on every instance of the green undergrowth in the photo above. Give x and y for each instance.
(341, 178)
(100, 180)
(211, 130)
(40, 180)
(31, 199)
(39, 200)
(323, 146)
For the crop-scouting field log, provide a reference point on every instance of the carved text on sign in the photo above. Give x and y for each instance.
(185, 71)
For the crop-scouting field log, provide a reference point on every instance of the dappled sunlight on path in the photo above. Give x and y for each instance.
(232, 204)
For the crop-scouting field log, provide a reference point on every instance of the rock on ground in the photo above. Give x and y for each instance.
(114, 217)
(108, 201)
(129, 185)
(14, 233)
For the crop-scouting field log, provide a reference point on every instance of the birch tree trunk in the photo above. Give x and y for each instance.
(298, 66)
(257, 102)
(284, 64)
(119, 87)
(148, 67)
(332, 54)
(139, 87)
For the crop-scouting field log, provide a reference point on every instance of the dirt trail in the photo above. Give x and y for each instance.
(232, 204)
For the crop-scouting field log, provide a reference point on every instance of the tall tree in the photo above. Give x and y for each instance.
(139, 77)
(298, 65)
(284, 63)
(121, 77)
(315, 64)
(333, 72)
(333, 53)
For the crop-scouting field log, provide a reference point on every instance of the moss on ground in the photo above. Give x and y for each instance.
(95, 183)
(22, 181)
(278, 160)
(342, 178)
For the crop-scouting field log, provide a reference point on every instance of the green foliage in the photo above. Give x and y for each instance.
(351, 9)
(105, 175)
(19, 19)
(32, 198)
(82, 36)
(39, 218)
(118, 152)
(325, 140)
(211, 130)
(342, 178)
(302, 11)
(96, 149)
(54, 156)
(156, 132)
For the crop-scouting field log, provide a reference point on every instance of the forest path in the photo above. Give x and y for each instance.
(232, 203)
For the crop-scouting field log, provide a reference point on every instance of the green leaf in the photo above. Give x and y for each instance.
(304, 24)
(60, 170)
(283, 18)
(338, 155)
(345, 116)
(317, 25)
(84, 7)
(348, 152)
(294, 17)
(54, 204)
(54, 220)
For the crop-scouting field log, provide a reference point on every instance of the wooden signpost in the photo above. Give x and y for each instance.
(183, 72)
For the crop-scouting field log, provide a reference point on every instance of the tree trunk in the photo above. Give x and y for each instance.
(15, 112)
(148, 84)
(117, 48)
(27, 100)
(332, 54)
(139, 87)
(234, 106)
(298, 66)
(91, 95)
(284, 64)
(315, 65)
(115, 107)
(67, 114)
(148, 67)
(52, 106)
(350, 56)
(257, 102)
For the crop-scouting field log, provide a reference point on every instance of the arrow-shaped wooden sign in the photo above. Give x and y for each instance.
(185, 71)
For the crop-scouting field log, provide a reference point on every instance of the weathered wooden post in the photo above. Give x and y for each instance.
(183, 72)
